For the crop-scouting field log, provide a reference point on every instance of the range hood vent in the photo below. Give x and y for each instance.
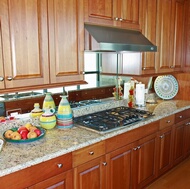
(116, 39)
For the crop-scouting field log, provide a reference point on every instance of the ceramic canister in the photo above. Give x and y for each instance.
(48, 102)
(48, 119)
(64, 114)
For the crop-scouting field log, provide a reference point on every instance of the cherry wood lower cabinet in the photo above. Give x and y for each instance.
(164, 161)
(91, 175)
(61, 181)
(132, 166)
(54, 173)
(165, 144)
(187, 138)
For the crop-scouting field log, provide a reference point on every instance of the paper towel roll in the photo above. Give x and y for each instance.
(127, 87)
(140, 94)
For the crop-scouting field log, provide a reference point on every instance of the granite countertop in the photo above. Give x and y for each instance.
(56, 142)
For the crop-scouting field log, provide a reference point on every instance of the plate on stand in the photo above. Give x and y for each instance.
(166, 87)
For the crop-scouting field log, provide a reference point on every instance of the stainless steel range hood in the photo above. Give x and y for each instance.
(116, 39)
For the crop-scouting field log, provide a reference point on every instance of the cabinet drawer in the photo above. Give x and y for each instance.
(37, 173)
(88, 153)
(167, 121)
(185, 114)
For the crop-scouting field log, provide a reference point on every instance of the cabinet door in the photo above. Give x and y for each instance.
(65, 47)
(186, 67)
(24, 42)
(164, 150)
(91, 175)
(147, 19)
(2, 77)
(119, 168)
(126, 13)
(63, 180)
(178, 152)
(187, 137)
(165, 36)
(99, 11)
(178, 51)
(143, 161)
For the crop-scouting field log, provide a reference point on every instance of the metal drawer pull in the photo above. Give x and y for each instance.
(136, 148)
(168, 121)
(187, 123)
(59, 165)
(104, 163)
(91, 153)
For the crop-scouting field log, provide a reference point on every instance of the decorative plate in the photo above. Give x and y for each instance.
(166, 87)
(43, 131)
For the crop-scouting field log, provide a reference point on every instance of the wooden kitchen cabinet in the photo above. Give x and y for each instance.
(144, 161)
(63, 180)
(90, 167)
(170, 35)
(119, 168)
(24, 43)
(186, 138)
(164, 145)
(132, 164)
(66, 41)
(121, 13)
(53, 173)
(91, 174)
(186, 66)
(181, 134)
(147, 19)
(41, 43)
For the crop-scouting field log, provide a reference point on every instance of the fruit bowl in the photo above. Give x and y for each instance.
(25, 140)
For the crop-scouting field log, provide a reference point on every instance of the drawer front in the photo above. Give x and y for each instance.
(37, 173)
(181, 116)
(167, 121)
(88, 153)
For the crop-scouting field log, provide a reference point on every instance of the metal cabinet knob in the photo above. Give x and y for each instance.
(116, 18)
(120, 19)
(9, 78)
(162, 136)
(104, 163)
(59, 165)
(91, 153)
(1, 78)
(168, 121)
(180, 116)
(144, 68)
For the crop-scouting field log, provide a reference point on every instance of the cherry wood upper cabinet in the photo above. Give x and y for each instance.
(121, 13)
(186, 66)
(24, 43)
(170, 28)
(65, 40)
(147, 21)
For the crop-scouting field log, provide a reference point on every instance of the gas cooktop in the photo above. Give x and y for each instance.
(114, 118)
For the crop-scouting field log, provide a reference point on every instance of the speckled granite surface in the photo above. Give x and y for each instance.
(56, 142)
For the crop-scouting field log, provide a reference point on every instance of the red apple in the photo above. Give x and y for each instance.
(24, 134)
(22, 128)
(38, 132)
